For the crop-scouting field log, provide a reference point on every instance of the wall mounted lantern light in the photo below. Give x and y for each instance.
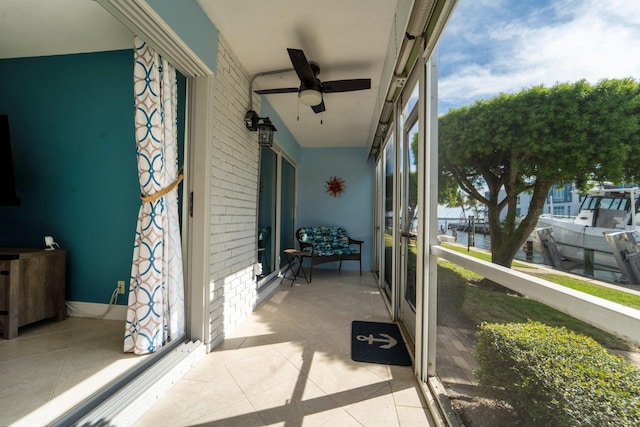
(261, 124)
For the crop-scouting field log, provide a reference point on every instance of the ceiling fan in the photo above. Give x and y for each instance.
(311, 88)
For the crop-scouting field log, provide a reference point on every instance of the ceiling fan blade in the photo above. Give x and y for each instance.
(346, 85)
(302, 67)
(278, 90)
(318, 108)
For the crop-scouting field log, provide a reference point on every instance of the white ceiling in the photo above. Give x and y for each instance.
(57, 27)
(347, 38)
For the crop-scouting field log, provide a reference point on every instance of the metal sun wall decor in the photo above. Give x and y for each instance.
(335, 186)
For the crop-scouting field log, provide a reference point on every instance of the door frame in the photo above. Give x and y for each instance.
(280, 154)
(144, 21)
(406, 313)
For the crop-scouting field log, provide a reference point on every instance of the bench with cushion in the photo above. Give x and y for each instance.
(328, 244)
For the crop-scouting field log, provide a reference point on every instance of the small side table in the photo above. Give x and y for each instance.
(293, 255)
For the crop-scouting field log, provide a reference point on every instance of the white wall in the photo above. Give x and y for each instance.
(234, 194)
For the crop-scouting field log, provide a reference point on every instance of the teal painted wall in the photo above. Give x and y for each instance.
(193, 26)
(353, 210)
(71, 120)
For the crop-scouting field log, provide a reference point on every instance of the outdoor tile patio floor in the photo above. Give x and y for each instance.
(455, 362)
(289, 364)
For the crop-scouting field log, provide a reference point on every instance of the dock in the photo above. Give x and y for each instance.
(479, 227)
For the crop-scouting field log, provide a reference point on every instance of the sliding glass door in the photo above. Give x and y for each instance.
(397, 209)
(409, 213)
(388, 235)
(276, 212)
(287, 208)
(267, 212)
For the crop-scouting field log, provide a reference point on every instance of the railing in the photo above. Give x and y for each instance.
(614, 318)
(464, 300)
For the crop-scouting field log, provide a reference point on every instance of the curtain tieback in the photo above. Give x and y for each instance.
(163, 192)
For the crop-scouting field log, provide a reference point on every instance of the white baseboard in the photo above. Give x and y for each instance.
(96, 310)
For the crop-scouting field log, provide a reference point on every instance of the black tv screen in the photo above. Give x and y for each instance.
(8, 195)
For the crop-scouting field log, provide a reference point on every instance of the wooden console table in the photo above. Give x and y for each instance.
(32, 287)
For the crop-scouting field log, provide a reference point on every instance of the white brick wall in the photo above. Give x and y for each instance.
(234, 189)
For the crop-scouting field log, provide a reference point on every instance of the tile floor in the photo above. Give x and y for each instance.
(52, 366)
(289, 364)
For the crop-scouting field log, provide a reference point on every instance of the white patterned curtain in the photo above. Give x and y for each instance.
(156, 296)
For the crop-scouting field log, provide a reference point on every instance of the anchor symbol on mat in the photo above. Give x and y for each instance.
(388, 339)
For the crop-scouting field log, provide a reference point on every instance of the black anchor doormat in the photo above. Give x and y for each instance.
(377, 342)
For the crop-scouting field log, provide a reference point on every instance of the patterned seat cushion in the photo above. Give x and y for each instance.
(326, 240)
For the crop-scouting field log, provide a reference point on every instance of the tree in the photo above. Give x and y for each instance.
(526, 142)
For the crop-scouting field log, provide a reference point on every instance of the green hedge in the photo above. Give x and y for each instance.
(555, 377)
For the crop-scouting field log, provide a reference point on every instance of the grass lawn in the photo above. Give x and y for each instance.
(485, 256)
(604, 292)
(483, 305)
(624, 298)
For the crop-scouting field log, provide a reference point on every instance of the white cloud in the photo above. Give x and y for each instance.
(568, 41)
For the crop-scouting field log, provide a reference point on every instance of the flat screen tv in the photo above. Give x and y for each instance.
(8, 195)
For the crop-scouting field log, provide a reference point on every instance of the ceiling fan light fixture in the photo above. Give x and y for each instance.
(311, 90)
(310, 97)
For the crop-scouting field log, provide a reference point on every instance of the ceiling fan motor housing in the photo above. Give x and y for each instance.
(311, 89)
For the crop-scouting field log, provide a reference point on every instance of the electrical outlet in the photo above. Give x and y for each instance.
(121, 287)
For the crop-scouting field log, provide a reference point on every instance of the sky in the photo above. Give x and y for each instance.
(504, 46)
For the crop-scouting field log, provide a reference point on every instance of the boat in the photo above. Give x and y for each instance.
(603, 211)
